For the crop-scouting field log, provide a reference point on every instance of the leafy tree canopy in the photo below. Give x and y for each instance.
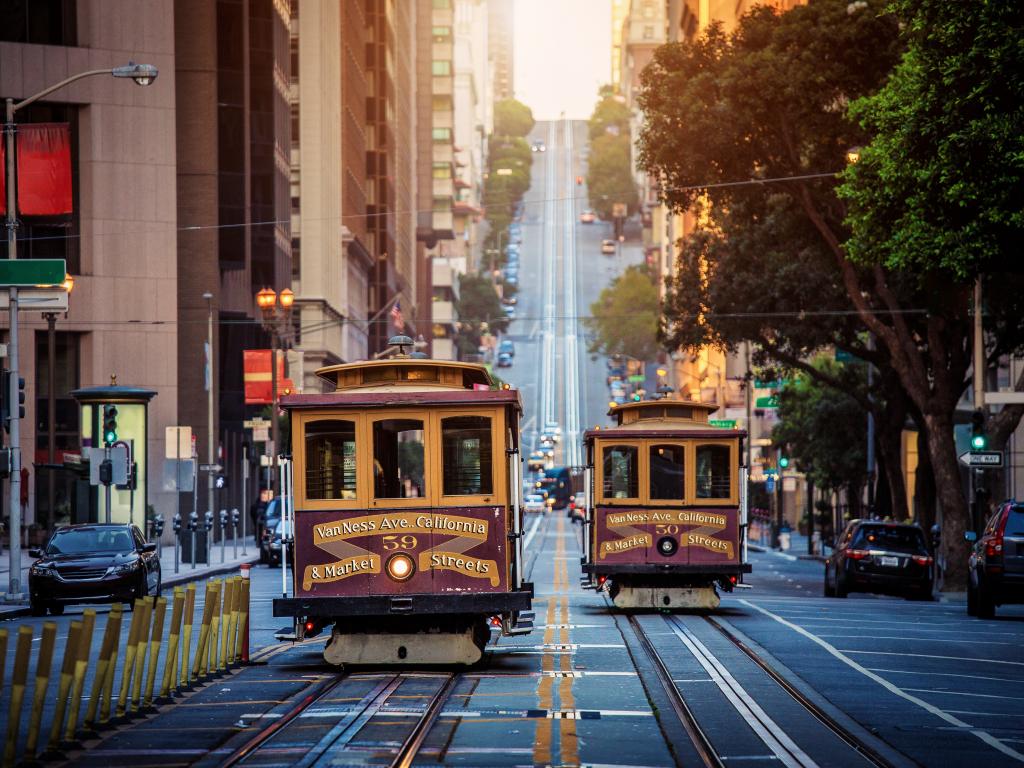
(611, 115)
(512, 118)
(624, 319)
(479, 307)
(609, 177)
(941, 183)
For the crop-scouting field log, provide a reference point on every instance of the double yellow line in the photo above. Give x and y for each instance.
(557, 613)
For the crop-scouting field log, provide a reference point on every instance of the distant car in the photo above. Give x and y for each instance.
(510, 312)
(996, 565)
(504, 360)
(577, 509)
(619, 398)
(553, 428)
(535, 462)
(538, 146)
(506, 345)
(512, 248)
(92, 563)
(534, 503)
(883, 558)
(270, 546)
(607, 246)
(587, 217)
(509, 301)
(512, 280)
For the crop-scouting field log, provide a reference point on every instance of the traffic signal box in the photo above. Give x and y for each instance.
(7, 411)
(979, 441)
(109, 424)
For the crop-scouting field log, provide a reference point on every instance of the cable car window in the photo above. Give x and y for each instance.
(398, 458)
(331, 459)
(621, 479)
(466, 450)
(713, 481)
(666, 472)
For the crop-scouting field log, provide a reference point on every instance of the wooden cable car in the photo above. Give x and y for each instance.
(407, 523)
(664, 506)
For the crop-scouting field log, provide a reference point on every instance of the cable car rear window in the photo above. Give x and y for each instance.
(398, 458)
(713, 481)
(621, 480)
(666, 472)
(466, 452)
(331, 459)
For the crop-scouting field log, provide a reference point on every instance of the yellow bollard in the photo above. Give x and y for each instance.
(107, 647)
(214, 642)
(242, 636)
(154, 649)
(225, 625)
(3, 655)
(108, 676)
(129, 658)
(217, 657)
(81, 667)
(18, 679)
(171, 661)
(67, 674)
(199, 663)
(43, 666)
(229, 640)
(186, 643)
(142, 645)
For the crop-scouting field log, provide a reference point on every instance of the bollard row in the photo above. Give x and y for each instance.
(222, 644)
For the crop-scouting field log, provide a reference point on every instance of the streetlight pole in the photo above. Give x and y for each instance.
(276, 309)
(211, 450)
(143, 74)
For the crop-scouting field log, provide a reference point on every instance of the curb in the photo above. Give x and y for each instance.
(818, 558)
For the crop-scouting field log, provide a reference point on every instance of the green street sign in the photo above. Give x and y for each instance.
(30, 273)
(723, 423)
(768, 384)
(771, 401)
(636, 379)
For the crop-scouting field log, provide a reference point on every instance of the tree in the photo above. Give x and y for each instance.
(479, 309)
(624, 319)
(823, 429)
(611, 115)
(512, 118)
(609, 178)
(769, 103)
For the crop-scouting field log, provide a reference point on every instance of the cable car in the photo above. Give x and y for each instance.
(407, 524)
(664, 514)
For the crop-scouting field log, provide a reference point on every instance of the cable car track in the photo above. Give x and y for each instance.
(784, 748)
(260, 749)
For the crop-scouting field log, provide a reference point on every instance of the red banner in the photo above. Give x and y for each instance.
(44, 169)
(256, 376)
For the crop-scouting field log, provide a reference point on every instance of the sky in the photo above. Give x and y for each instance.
(562, 55)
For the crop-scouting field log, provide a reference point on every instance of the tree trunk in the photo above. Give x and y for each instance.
(955, 517)
(924, 484)
(883, 494)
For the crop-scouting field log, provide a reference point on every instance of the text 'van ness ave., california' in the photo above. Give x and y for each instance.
(410, 522)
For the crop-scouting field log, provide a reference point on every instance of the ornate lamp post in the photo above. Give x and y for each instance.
(277, 310)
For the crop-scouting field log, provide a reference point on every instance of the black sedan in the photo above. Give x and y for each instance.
(92, 564)
(270, 546)
(996, 565)
(883, 558)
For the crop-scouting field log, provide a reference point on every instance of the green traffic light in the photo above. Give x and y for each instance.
(110, 437)
(783, 462)
(979, 442)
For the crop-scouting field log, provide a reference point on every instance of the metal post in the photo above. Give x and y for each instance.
(979, 348)
(211, 450)
(245, 493)
(223, 533)
(195, 504)
(51, 407)
(274, 426)
(14, 584)
(106, 488)
(871, 438)
(284, 537)
(749, 443)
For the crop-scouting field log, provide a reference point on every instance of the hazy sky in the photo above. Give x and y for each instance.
(562, 55)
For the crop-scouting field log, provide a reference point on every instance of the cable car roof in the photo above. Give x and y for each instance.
(663, 416)
(404, 373)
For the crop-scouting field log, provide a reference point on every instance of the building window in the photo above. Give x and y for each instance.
(42, 22)
(442, 204)
(442, 34)
(648, 32)
(442, 171)
(441, 103)
(296, 257)
(441, 135)
(442, 4)
(441, 68)
(51, 237)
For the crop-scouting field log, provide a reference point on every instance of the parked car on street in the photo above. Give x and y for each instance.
(268, 519)
(538, 146)
(270, 546)
(534, 502)
(510, 312)
(996, 565)
(504, 360)
(578, 507)
(535, 462)
(587, 217)
(882, 558)
(506, 345)
(607, 246)
(509, 301)
(92, 563)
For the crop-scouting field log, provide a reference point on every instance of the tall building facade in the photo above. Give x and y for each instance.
(501, 38)
(120, 242)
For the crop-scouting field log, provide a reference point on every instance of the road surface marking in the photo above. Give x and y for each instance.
(986, 737)
(933, 656)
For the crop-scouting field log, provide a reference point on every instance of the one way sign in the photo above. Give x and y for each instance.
(982, 459)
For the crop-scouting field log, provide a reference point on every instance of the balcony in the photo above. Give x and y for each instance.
(442, 274)
(442, 312)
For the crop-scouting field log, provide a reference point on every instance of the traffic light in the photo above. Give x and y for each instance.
(7, 411)
(783, 462)
(109, 424)
(978, 439)
(21, 400)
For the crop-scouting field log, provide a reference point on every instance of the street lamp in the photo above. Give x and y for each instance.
(143, 74)
(276, 309)
(51, 392)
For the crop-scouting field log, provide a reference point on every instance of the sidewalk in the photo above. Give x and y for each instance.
(168, 577)
(797, 548)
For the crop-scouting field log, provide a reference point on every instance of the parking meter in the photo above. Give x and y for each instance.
(223, 532)
(223, 519)
(193, 526)
(208, 520)
(176, 525)
(158, 526)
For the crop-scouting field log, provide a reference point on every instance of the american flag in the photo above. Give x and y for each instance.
(396, 316)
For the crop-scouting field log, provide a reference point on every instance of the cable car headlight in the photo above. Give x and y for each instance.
(400, 567)
(667, 546)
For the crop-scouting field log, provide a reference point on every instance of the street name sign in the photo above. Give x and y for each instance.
(982, 459)
(32, 272)
(37, 299)
(723, 423)
(210, 467)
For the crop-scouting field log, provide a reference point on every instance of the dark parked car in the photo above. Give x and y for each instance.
(270, 546)
(268, 519)
(996, 566)
(92, 564)
(884, 558)
(506, 345)
(504, 360)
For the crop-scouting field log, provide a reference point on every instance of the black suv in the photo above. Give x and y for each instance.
(883, 558)
(996, 566)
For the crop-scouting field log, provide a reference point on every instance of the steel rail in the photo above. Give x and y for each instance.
(411, 746)
(304, 701)
(701, 742)
(867, 752)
